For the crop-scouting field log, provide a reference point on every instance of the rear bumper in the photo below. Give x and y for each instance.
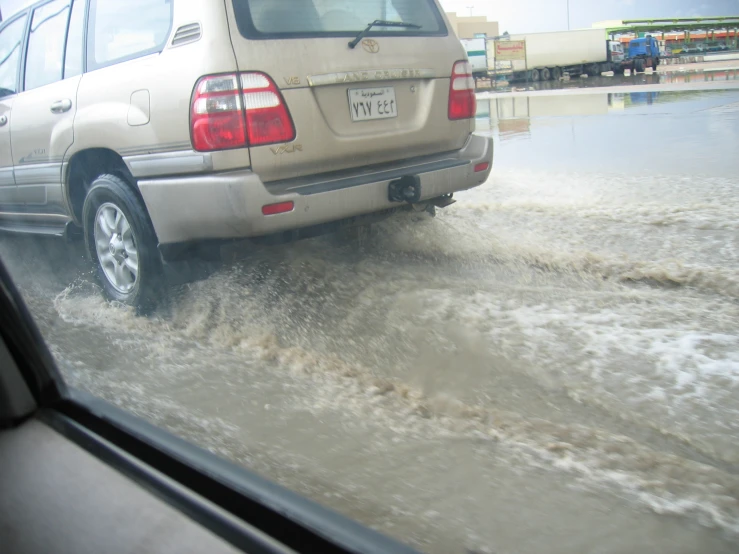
(229, 205)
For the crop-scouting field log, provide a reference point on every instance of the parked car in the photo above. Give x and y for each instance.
(153, 126)
(694, 49)
(716, 47)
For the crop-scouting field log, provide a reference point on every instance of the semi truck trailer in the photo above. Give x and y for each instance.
(549, 55)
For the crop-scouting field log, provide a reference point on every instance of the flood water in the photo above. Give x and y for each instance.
(549, 365)
(669, 75)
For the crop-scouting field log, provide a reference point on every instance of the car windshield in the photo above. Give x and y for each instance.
(471, 280)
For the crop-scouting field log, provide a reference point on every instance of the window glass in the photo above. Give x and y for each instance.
(46, 44)
(315, 17)
(507, 327)
(75, 40)
(10, 49)
(126, 30)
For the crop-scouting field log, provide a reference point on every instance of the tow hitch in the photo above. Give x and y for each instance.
(405, 189)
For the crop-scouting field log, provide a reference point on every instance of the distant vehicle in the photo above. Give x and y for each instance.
(694, 49)
(550, 55)
(716, 47)
(476, 49)
(643, 53)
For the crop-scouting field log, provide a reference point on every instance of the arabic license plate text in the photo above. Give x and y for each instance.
(372, 103)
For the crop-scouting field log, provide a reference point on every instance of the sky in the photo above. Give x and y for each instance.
(521, 16)
(9, 7)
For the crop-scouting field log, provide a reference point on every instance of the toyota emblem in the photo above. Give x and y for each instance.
(370, 46)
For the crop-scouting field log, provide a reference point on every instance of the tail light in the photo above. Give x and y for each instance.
(462, 103)
(267, 119)
(217, 116)
(233, 111)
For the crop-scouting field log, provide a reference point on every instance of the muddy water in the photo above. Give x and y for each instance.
(551, 364)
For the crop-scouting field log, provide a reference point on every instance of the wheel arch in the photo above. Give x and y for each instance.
(83, 168)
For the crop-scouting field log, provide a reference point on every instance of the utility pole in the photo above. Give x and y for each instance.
(568, 15)
(470, 8)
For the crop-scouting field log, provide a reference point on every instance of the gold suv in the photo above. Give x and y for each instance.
(157, 126)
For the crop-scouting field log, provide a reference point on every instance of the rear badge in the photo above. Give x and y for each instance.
(371, 46)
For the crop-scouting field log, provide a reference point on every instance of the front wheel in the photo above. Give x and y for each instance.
(122, 245)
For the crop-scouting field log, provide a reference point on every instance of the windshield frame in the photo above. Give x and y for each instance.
(247, 29)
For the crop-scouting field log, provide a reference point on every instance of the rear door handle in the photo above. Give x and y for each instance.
(61, 106)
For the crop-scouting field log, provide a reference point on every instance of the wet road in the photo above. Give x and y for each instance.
(709, 73)
(549, 365)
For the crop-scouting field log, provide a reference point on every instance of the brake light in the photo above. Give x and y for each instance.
(237, 110)
(462, 102)
(217, 115)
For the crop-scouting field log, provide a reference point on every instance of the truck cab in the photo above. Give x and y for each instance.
(616, 54)
(643, 53)
(644, 48)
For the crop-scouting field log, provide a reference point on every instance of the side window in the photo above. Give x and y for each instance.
(46, 44)
(120, 31)
(75, 40)
(10, 55)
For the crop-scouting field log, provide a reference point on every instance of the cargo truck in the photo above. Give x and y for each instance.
(549, 55)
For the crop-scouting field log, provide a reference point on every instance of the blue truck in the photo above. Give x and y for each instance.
(643, 53)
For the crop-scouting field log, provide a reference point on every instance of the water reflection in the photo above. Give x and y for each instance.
(511, 116)
(672, 76)
(596, 130)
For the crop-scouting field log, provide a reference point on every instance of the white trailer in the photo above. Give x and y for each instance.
(476, 54)
(550, 55)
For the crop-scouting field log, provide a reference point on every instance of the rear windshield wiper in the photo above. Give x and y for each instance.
(381, 23)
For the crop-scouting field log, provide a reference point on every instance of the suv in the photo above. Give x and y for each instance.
(154, 127)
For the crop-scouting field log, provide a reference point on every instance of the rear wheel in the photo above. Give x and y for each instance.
(534, 75)
(594, 70)
(545, 74)
(122, 244)
(556, 73)
(639, 66)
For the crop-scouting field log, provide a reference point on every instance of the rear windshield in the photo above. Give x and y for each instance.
(316, 18)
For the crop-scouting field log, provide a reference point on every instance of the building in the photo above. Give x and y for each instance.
(676, 35)
(473, 27)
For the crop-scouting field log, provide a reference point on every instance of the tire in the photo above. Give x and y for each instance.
(594, 70)
(556, 73)
(534, 75)
(118, 231)
(546, 74)
(639, 66)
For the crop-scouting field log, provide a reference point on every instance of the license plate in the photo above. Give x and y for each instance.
(372, 103)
